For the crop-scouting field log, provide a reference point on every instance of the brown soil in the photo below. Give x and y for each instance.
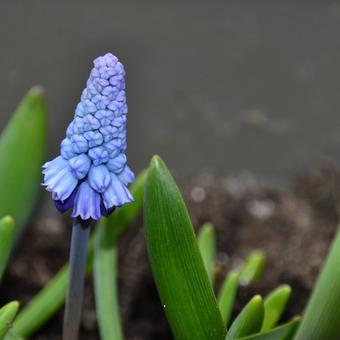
(293, 226)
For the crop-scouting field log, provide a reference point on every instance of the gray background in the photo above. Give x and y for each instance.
(233, 87)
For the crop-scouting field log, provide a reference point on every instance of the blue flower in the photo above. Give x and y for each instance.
(91, 174)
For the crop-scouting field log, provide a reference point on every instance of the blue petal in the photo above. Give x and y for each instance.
(99, 178)
(59, 179)
(80, 166)
(63, 206)
(127, 176)
(66, 149)
(116, 194)
(87, 203)
(117, 164)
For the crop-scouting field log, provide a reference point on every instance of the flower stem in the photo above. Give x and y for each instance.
(74, 299)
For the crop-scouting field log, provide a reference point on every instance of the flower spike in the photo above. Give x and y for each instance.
(91, 174)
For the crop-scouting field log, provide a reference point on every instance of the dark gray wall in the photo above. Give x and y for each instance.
(232, 87)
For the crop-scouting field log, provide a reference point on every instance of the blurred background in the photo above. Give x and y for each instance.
(227, 87)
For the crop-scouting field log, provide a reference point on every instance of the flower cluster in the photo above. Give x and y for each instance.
(91, 175)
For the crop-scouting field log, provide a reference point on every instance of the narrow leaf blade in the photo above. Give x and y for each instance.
(22, 151)
(207, 244)
(253, 267)
(283, 332)
(274, 306)
(321, 318)
(6, 241)
(105, 283)
(7, 314)
(177, 265)
(227, 295)
(249, 321)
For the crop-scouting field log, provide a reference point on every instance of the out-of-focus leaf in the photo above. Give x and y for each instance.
(283, 332)
(7, 314)
(105, 264)
(207, 244)
(12, 336)
(52, 296)
(274, 306)
(252, 268)
(321, 319)
(6, 239)
(249, 321)
(22, 151)
(227, 295)
(178, 269)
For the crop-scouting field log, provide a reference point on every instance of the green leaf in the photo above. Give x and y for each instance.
(51, 297)
(105, 278)
(6, 239)
(227, 295)
(321, 319)
(178, 269)
(207, 245)
(274, 306)
(105, 264)
(7, 314)
(252, 268)
(22, 151)
(249, 321)
(283, 332)
(12, 336)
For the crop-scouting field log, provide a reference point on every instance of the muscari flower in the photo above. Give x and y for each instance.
(91, 174)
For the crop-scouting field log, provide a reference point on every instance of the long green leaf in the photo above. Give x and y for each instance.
(51, 297)
(321, 319)
(283, 332)
(7, 314)
(105, 266)
(105, 278)
(6, 239)
(178, 269)
(249, 321)
(274, 306)
(22, 151)
(207, 244)
(252, 268)
(227, 295)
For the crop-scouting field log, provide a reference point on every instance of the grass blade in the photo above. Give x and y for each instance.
(22, 151)
(252, 268)
(177, 265)
(283, 332)
(6, 239)
(249, 321)
(321, 320)
(207, 244)
(105, 279)
(105, 264)
(274, 306)
(51, 298)
(227, 295)
(7, 314)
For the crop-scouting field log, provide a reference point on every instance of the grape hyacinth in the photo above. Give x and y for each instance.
(91, 175)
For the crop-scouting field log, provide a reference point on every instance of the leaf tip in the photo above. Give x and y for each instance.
(157, 162)
(37, 90)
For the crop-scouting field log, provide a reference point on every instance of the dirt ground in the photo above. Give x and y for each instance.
(294, 226)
